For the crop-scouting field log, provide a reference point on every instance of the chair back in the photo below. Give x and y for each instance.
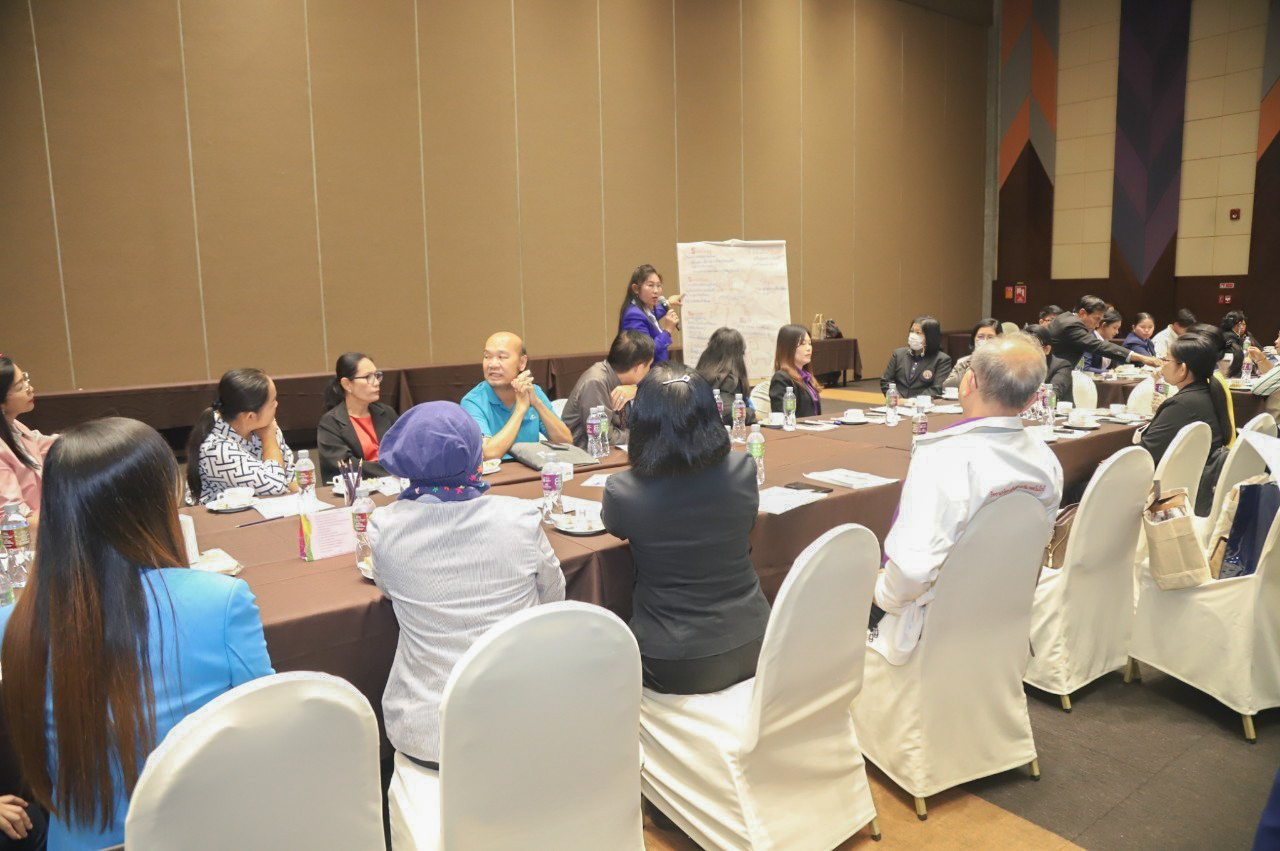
(760, 400)
(557, 406)
(1097, 568)
(1243, 462)
(285, 761)
(1142, 397)
(1010, 327)
(538, 735)
(1083, 390)
(810, 666)
(1264, 423)
(1183, 462)
(974, 646)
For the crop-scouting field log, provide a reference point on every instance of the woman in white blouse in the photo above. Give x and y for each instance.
(236, 442)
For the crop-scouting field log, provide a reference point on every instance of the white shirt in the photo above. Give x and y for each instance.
(953, 474)
(1162, 341)
(452, 571)
(227, 460)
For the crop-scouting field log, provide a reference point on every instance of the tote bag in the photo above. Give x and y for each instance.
(1177, 559)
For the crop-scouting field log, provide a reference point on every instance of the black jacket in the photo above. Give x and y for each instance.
(337, 439)
(1071, 340)
(916, 376)
(1191, 404)
(727, 388)
(1236, 347)
(778, 385)
(1059, 375)
(696, 590)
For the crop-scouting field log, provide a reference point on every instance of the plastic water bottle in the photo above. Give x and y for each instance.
(7, 596)
(789, 410)
(304, 473)
(593, 433)
(15, 532)
(715, 391)
(552, 487)
(1246, 369)
(1159, 389)
(739, 431)
(891, 400)
(604, 431)
(1050, 401)
(755, 445)
(919, 427)
(360, 511)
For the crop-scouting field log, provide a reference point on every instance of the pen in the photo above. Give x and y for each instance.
(256, 522)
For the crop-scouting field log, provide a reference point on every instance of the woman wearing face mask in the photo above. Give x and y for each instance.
(1139, 339)
(1192, 358)
(356, 421)
(920, 368)
(1058, 372)
(985, 331)
(791, 360)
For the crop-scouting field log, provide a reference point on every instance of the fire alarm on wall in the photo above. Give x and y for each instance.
(1235, 214)
(1224, 299)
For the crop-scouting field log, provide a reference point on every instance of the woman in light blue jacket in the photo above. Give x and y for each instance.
(113, 643)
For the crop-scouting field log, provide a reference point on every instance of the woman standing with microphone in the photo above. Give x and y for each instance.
(646, 309)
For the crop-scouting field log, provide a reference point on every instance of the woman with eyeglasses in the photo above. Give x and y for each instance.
(22, 450)
(687, 506)
(644, 308)
(355, 421)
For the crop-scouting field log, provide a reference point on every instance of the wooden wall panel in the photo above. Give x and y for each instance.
(880, 310)
(117, 134)
(365, 113)
(561, 206)
(32, 327)
(473, 222)
(709, 120)
(773, 147)
(255, 203)
(638, 119)
(964, 181)
(830, 30)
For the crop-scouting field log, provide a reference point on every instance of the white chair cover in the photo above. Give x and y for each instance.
(760, 400)
(1010, 327)
(1141, 398)
(1084, 392)
(957, 710)
(1222, 637)
(537, 741)
(1183, 462)
(286, 761)
(557, 406)
(1082, 618)
(1263, 422)
(773, 762)
(1243, 462)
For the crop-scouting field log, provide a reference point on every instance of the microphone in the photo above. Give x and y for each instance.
(662, 300)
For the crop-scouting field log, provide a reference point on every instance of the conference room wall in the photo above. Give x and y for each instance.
(197, 185)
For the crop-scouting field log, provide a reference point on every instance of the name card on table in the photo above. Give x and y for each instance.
(322, 534)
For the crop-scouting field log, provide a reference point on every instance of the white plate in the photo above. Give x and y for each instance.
(568, 524)
(219, 506)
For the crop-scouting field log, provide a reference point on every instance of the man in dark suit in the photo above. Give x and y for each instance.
(1073, 335)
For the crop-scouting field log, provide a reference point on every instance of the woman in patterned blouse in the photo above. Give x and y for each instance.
(236, 442)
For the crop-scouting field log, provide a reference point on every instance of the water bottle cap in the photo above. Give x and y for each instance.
(302, 453)
(755, 428)
(737, 397)
(362, 492)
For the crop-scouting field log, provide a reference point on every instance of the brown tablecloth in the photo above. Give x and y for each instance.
(1243, 402)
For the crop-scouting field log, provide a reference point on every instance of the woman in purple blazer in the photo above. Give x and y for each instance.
(644, 309)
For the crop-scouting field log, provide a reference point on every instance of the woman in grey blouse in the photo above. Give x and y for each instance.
(453, 562)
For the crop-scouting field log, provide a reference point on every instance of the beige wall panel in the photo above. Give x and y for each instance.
(473, 222)
(365, 113)
(709, 120)
(561, 229)
(255, 204)
(880, 313)
(117, 133)
(962, 138)
(773, 148)
(35, 334)
(638, 117)
(829, 144)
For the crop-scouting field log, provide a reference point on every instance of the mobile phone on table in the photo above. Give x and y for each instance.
(805, 486)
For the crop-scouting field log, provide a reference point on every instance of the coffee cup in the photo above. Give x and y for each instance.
(1117, 409)
(1064, 408)
(923, 403)
(236, 497)
(854, 415)
(775, 418)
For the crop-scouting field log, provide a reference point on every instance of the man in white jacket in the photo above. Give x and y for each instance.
(953, 474)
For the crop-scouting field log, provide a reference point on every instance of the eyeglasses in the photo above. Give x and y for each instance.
(684, 378)
(22, 386)
(372, 378)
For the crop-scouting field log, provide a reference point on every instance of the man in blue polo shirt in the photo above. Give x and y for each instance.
(507, 405)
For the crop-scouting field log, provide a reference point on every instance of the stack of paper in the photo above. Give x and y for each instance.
(286, 506)
(778, 500)
(849, 478)
(814, 427)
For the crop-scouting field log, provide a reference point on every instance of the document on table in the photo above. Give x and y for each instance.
(849, 478)
(596, 481)
(902, 410)
(777, 500)
(946, 409)
(285, 506)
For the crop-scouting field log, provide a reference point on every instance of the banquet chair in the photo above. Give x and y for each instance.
(557, 406)
(956, 711)
(285, 761)
(1082, 617)
(1264, 423)
(760, 401)
(1183, 462)
(773, 762)
(1221, 637)
(1010, 327)
(537, 741)
(1083, 391)
(1141, 397)
(1243, 462)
